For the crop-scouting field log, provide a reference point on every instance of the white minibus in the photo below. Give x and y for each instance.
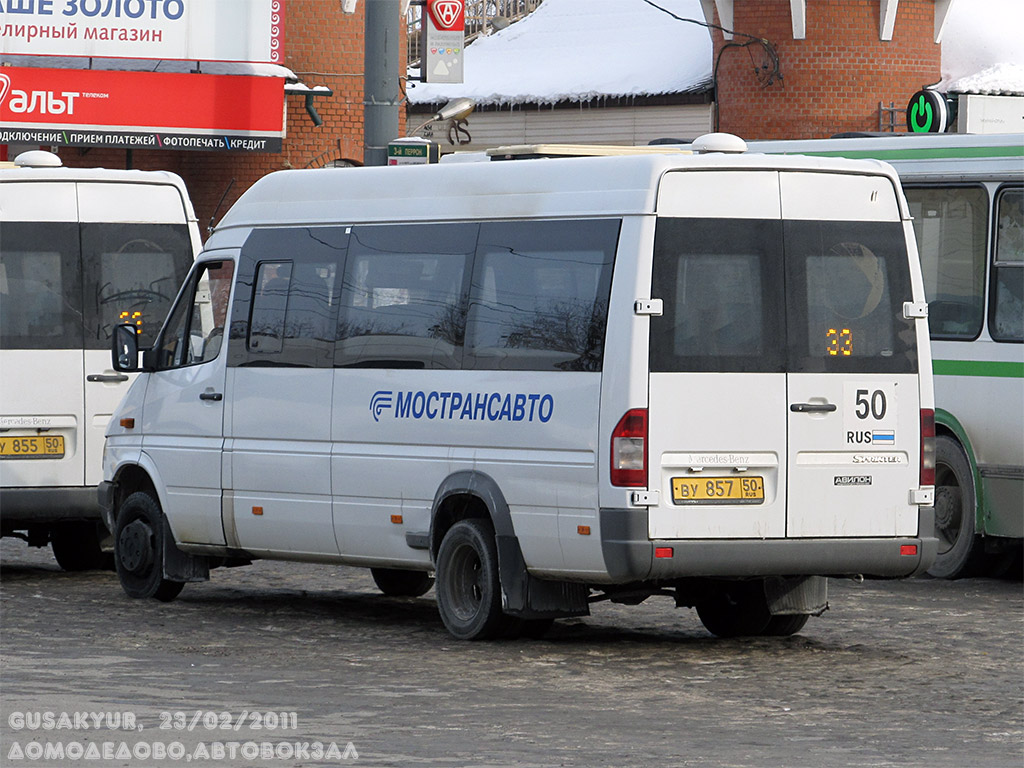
(543, 382)
(81, 251)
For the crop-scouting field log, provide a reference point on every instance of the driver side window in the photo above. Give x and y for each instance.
(195, 329)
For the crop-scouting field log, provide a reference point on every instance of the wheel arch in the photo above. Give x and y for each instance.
(463, 495)
(472, 494)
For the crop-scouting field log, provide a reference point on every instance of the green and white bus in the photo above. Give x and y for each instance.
(966, 194)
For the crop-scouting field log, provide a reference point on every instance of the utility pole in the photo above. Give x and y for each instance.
(382, 38)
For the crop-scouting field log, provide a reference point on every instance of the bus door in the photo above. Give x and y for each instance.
(183, 416)
(853, 390)
(132, 268)
(783, 393)
(41, 399)
(717, 392)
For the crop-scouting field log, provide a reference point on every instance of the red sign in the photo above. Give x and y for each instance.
(447, 15)
(78, 106)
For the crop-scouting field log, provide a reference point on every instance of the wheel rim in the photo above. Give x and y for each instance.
(467, 583)
(135, 547)
(949, 509)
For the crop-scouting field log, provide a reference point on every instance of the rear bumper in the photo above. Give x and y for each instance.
(21, 507)
(629, 553)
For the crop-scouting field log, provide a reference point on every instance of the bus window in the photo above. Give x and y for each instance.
(195, 329)
(40, 286)
(723, 296)
(539, 300)
(402, 298)
(845, 291)
(950, 224)
(132, 273)
(269, 306)
(1007, 323)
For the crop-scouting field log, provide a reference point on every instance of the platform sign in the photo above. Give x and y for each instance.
(413, 151)
(444, 41)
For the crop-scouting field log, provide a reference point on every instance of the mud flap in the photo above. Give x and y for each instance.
(799, 595)
(528, 597)
(181, 566)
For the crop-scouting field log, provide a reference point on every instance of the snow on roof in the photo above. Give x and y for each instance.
(997, 80)
(579, 50)
(983, 48)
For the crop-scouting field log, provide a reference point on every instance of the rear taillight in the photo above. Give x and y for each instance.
(629, 450)
(927, 446)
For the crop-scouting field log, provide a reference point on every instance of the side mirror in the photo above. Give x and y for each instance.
(125, 349)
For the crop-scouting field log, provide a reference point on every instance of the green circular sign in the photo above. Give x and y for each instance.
(926, 112)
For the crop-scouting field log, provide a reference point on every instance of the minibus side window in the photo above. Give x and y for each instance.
(269, 306)
(539, 298)
(1007, 321)
(40, 286)
(950, 226)
(720, 281)
(403, 296)
(194, 332)
(132, 273)
(846, 286)
(286, 303)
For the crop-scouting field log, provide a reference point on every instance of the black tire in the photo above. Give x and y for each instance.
(784, 626)
(394, 582)
(468, 589)
(139, 550)
(960, 552)
(738, 609)
(76, 546)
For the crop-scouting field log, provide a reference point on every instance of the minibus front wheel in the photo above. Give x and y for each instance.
(139, 549)
(467, 586)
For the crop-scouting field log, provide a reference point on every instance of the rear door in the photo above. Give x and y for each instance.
(41, 392)
(854, 400)
(783, 396)
(133, 266)
(717, 400)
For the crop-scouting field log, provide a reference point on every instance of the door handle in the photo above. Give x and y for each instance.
(214, 396)
(107, 377)
(812, 407)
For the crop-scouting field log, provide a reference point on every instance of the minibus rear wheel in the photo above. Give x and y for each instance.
(468, 589)
(737, 609)
(395, 582)
(139, 549)
(76, 546)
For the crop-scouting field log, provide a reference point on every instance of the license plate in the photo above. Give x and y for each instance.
(718, 490)
(34, 447)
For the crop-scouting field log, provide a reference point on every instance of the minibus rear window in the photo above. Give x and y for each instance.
(748, 296)
(846, 286)
(721, 286)
(40, 286)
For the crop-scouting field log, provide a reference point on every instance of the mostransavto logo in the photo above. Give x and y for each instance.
(463, 406)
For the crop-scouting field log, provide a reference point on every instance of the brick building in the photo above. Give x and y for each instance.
(813, 68)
